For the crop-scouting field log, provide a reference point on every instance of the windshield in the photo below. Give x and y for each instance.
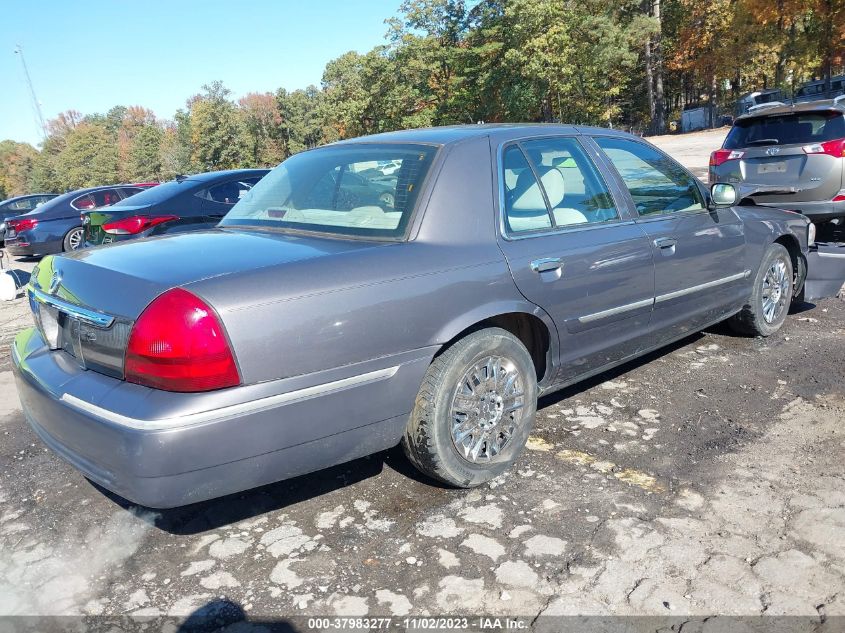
(363, 190)
(799, 128)
(157, 194)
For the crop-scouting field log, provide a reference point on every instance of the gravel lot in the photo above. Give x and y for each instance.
(704, 479)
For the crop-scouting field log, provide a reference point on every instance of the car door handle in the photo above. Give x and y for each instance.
(546, 264)
(665, 242)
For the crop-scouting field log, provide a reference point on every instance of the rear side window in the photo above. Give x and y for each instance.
(83, 202)
(656, 183)
(569, 192)
(799, 128)
(525, 207)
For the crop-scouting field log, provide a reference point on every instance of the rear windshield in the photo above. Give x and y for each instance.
(799, 128)
(157, 194)
(362, 190)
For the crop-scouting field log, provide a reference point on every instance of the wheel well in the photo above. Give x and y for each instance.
(799, 264)
(526, 327)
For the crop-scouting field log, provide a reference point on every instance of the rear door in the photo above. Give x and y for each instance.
(574, 251)
(789, 151)
(699, 253)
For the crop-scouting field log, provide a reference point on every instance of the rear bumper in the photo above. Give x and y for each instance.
(20, 248)
(816, 211)
(160, 460)
(27, 244)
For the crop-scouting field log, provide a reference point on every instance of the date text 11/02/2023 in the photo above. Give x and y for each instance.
(427, 623)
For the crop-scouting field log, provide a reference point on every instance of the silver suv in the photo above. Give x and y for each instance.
(788, 156)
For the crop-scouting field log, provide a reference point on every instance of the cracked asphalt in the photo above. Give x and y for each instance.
(704, 479)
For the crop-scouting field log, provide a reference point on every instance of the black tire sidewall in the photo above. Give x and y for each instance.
(484, 343)
(773, 252)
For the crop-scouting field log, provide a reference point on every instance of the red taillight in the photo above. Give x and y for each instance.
(22, 225)
(178, 344)
(136, 224)
(839, 197)
(834, 148)
(723, 155)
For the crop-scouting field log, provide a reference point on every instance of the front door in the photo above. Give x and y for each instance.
(573, 253)
(699, 253)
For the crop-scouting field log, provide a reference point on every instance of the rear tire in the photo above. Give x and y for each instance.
(73, 239)
(474, 411)
(771, 295)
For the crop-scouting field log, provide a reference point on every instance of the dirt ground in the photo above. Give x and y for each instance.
(705, 479)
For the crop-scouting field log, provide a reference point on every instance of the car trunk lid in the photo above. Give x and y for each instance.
(811, 176)
(116, 283)
(93, 221)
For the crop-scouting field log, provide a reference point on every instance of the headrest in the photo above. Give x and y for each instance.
(527, 195)
(554, 185)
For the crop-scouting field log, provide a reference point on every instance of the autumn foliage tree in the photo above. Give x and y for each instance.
(634, 64)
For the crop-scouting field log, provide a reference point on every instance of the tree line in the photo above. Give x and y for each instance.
(633, 64)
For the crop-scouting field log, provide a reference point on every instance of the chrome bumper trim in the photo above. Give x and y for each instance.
(97, 319)
(243, 408)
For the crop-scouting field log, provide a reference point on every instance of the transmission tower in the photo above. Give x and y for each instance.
(36, 106)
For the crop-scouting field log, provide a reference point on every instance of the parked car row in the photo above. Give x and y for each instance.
(55, 226)
(101, 215)
(322, 320)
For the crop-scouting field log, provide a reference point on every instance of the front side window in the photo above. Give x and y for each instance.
(656, 183)
(128, 192)
(339, 189)
(570, 190)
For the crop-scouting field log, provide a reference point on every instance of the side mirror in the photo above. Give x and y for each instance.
(723, 194)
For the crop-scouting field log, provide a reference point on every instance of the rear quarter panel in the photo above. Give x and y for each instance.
(764, 225)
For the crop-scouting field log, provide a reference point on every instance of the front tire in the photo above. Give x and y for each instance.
(474, 411)
(73, 239)
(771, 295)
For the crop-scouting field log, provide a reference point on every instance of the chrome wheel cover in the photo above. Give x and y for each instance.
(74, 239)
(487, 408)
(775, 291)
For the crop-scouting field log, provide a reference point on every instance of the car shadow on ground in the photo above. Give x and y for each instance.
(215, 513)
(616, 372)
(209, 515)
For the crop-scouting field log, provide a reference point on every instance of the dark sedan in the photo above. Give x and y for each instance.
(188, 203)
(314, 326)
(13, 207)
(55, 226)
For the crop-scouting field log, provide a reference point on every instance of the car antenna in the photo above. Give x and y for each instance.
(181, 177)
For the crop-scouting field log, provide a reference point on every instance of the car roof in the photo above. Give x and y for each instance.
(822, 105)
(226, 173)
(499, 132)
(27, 195)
